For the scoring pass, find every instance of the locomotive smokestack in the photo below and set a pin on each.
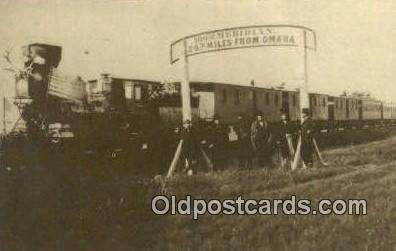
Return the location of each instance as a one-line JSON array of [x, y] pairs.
[[40, 60]]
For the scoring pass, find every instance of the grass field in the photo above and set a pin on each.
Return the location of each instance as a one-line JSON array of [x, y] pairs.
[[366, 172], [103, 209]]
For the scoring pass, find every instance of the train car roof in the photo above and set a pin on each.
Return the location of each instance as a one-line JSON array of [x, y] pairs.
[[128, 79], [371, 99], [239, 86]]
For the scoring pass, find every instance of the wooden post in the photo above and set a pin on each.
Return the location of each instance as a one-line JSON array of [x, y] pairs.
[[304, 96], [186, 107], [185, 87], [207, 159], [297, 155], [318, 154], [304, 99], [175, 160], [254, 98], [4, 117]]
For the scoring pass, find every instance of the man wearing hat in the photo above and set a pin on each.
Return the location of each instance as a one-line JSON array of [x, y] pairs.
[[261, 138], [190, 147], [284, 139], [244, 146], [218, 143], [307, 131]]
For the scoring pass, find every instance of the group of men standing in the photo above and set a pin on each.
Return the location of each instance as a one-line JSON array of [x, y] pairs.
[[219, 143]]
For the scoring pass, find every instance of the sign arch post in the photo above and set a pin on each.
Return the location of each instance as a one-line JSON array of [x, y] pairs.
[[238, 38]]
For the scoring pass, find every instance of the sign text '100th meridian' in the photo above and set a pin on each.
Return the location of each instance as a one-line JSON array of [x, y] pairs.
[[242, 37]]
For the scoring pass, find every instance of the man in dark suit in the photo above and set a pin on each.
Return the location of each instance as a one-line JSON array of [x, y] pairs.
[[261, 137], [244, 146], [218, 142], [190, 149], [284, 141], [307, 131]]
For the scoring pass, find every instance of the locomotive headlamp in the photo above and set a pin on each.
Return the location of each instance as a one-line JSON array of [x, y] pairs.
[[39, 60], [44, 54]]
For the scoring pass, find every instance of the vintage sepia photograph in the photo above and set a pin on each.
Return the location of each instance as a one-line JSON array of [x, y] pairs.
[[197, 125]]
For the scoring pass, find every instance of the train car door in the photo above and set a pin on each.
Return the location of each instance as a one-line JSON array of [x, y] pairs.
[[347, 108], [330, 107], [206, 105], [117, 95], [285, 103]]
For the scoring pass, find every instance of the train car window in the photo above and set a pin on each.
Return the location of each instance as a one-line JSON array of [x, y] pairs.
[[324, 102], [128, 88], [267, 98], [294, 99], [137, 93], [314, 101], [276, 99], [250, 95], [336, 103], [128, 92], [93, 87], [224, 96]]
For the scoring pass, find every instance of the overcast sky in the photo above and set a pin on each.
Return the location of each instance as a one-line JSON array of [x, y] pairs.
[[356, 40]]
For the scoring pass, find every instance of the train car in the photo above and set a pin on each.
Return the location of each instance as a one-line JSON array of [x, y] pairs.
[[227, 101], [135, 97], [223, 100], [343, 111], [126, 95], [371, 110], [231, 100]]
